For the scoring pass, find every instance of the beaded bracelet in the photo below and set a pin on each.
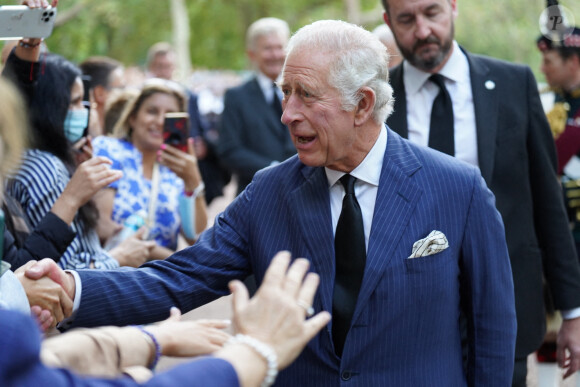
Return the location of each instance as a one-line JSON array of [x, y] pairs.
[[263, 350], [152, 340]]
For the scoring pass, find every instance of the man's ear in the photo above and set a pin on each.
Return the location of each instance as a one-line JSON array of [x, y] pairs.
[[365, 107], [386, 18]]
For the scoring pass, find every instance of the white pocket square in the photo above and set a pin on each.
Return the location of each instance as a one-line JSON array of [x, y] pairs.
[[431, 244]]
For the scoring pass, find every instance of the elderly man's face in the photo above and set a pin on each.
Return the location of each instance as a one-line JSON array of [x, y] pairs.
[[268, 55], [423, 30], [323, 133]]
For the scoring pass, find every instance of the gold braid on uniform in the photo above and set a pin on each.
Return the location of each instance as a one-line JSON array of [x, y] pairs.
[[557, 118]]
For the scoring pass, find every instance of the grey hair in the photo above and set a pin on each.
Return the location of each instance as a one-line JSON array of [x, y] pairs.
[[266, 26], [359, 59]]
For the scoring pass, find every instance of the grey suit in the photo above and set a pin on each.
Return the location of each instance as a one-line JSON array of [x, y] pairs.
[[251, 134], [518, 162]]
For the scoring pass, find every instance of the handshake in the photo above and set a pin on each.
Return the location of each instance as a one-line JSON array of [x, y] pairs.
[[49, 289]]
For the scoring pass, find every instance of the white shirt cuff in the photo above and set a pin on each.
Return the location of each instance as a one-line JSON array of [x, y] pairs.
[[570, 313], [67, 322]]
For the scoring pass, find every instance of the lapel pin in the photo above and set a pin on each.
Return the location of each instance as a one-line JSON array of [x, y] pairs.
[[489, 85]]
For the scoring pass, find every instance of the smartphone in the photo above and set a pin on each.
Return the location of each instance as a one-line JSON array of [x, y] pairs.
[[19, 21], [176, 130]]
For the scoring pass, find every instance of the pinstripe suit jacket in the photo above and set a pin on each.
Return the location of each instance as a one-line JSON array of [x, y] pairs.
[[405, 326]]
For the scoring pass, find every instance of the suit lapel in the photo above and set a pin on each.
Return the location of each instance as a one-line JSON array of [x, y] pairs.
[[397, 197], [398, 120], [312, 200], [486, 105]]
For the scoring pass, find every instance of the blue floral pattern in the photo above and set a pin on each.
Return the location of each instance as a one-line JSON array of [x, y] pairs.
[[133, 190]]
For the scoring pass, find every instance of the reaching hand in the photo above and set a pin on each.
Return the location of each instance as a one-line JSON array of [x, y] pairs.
[[189, 338], [89, 177], [133, 251], [276, 315], [181, 163]]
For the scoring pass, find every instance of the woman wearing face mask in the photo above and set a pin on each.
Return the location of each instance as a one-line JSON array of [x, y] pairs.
[[58, 119], [159, 181]]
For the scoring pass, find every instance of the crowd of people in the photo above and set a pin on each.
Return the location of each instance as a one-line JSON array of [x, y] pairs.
[[423, 183]]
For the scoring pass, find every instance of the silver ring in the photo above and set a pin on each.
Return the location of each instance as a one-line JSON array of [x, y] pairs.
[[307, 308]]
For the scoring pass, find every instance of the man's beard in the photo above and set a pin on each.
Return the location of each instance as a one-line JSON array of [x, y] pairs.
[[428, 63]]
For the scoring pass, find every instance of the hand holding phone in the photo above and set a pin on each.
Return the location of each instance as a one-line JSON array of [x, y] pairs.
[[20, 21], [176, 130]]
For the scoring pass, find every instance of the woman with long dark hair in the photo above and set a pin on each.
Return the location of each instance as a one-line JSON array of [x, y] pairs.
[[58, 118]]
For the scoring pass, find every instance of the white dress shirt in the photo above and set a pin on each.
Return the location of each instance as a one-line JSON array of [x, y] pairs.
[[420, 93], [266, 84], [368, 174]]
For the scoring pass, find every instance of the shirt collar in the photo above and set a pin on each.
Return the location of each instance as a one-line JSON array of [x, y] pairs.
[[455, 69], [265, 84], [369, 170]]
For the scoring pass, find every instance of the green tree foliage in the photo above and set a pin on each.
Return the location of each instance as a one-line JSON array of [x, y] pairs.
[[125, 29]]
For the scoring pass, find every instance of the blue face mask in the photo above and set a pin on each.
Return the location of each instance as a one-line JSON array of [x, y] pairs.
[[75, 123]]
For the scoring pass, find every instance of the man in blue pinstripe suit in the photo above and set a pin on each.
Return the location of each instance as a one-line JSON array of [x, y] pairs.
[[435, 246]]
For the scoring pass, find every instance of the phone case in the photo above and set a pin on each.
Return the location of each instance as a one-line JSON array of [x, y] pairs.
[[19, 21], [176, 130]]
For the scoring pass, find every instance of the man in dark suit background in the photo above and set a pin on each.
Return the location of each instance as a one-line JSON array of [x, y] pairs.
[[251, 135], [498, 125]]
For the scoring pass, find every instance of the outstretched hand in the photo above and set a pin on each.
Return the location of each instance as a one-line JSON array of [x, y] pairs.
[[276, 314], [189, 338]]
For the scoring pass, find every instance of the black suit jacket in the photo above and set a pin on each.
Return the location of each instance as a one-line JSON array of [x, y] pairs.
[[251, 135], [517, 159]]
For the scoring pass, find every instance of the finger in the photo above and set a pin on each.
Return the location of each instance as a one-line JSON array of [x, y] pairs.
[[99, 160], [35, 311], [275, 274], [66, 305], [561, 355], [112, 176], [240, 296], [191, 146], [174, 314], [308, 289], [295, 276], [315, 324], [39, 269], [218, 324], [573, 365], [141, 232]]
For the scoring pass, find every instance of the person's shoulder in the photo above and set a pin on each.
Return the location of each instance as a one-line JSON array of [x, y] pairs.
[[243, 87], [40, 162], [425, 161], [112, 147], [283, 175], [496, 64]]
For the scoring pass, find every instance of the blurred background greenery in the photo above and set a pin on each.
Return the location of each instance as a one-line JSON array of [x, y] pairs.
[[125, 29]]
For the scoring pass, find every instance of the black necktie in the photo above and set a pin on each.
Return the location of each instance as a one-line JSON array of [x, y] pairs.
[[350, 254], [441, 135], [276, 104]]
